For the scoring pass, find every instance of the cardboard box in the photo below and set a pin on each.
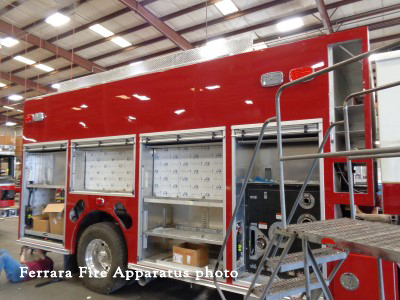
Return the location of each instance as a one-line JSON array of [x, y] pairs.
[[41, 223], [56, 217], [190, 254]]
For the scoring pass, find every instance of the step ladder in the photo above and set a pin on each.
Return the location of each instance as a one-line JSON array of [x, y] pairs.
[[378, 240]]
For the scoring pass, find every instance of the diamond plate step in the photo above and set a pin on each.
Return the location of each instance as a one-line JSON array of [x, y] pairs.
[[295, 261], [287, 287], [363, 237]]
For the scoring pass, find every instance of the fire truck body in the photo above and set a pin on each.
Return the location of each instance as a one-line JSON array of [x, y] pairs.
[[211, 110]]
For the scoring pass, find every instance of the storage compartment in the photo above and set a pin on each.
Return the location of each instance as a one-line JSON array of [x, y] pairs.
[[43, 192], [103, 166], [183, 194], [260, 212]]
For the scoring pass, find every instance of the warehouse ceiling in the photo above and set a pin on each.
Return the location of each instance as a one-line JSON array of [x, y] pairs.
[[44, 42]]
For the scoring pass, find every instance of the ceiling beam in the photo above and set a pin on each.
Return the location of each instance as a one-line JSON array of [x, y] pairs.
[[158, 24], [26, 82], [323, 12], [385, 38], [11, 6], [11, 30]]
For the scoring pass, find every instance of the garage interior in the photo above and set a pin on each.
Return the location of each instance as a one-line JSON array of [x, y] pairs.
[[54, 47]]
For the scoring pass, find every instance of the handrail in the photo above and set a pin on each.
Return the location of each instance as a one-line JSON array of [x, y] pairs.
[[278, 113], [347, 138], [239, 202]]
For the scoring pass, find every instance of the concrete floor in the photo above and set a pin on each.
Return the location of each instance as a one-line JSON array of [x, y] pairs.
[[166, 289]]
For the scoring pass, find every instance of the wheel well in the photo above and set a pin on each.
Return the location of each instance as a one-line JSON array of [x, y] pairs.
[[91, 218]]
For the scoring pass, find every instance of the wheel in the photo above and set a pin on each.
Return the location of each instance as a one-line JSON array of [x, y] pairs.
[[102, 248]]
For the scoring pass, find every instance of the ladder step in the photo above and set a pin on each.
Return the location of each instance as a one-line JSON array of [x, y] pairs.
[[295, 261], [287, 287]]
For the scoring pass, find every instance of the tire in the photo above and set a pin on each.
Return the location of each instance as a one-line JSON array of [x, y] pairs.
[[107, 239]]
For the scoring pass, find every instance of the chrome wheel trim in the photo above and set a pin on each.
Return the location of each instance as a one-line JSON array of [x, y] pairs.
[[98, 257]]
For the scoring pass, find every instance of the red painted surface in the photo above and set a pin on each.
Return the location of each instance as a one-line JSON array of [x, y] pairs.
[[185, 88], [365, 268], [391, 200]]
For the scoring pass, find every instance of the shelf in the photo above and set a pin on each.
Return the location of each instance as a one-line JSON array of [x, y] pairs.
[[188, 234], [164, 259], [181, 201], [44, 234], [45, 186], [352, 132]]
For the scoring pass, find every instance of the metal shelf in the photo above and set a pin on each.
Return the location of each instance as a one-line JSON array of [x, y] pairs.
[[181, 201], [189, 234], [45, 186], [45, 234]]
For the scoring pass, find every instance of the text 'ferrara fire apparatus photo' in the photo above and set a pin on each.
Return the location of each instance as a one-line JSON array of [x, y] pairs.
[[249, 172]]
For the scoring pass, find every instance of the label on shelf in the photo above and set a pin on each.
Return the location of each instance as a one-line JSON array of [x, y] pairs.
[[178, 258]]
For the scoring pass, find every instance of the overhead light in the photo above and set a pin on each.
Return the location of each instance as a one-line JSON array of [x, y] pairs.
[[20, 110], [15, 97], [226, 7], [179, 111], [8, 107], [24, 60], [135, 63], [318, 65], [141, 97], [57, 19], [84, 106], [131, 118], [55, 86], [9, 123], [44, 67], [289, 24], [101, 30], [214, 49], [123, 43], [2, 85], [9, 42], [213, 87], [125, 97], [248, 101]]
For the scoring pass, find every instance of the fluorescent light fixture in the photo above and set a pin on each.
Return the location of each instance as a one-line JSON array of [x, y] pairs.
[[44, 67], [55, 86], [123, 43], [248, 101], [289, 24], [131, 118], [101, 30], [179, 111], [24, 60], [20, 110], [9, 42], [57, 19], [135, 63], [84, 106], [141, 97], [226, 7], [2, 85], [9, 123], [318, 65], [214, 49], [213, 87], [8, 107], [15, 97]]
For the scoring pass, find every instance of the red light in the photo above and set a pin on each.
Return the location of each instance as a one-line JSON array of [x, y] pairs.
[[99, 201], [28, 119], [300, 72]]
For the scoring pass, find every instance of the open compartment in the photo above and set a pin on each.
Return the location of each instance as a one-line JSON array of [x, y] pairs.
[[103, 166], [43, 192], [182, 194], [260, 212]]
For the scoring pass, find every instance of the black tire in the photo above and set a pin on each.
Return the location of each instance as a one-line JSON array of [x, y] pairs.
[[113, 237]]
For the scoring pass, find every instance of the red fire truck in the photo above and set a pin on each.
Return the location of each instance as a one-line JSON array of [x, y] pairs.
[[123, 166], [8, 187]]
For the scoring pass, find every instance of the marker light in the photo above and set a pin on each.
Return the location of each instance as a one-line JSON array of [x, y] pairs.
[[300, 72]]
